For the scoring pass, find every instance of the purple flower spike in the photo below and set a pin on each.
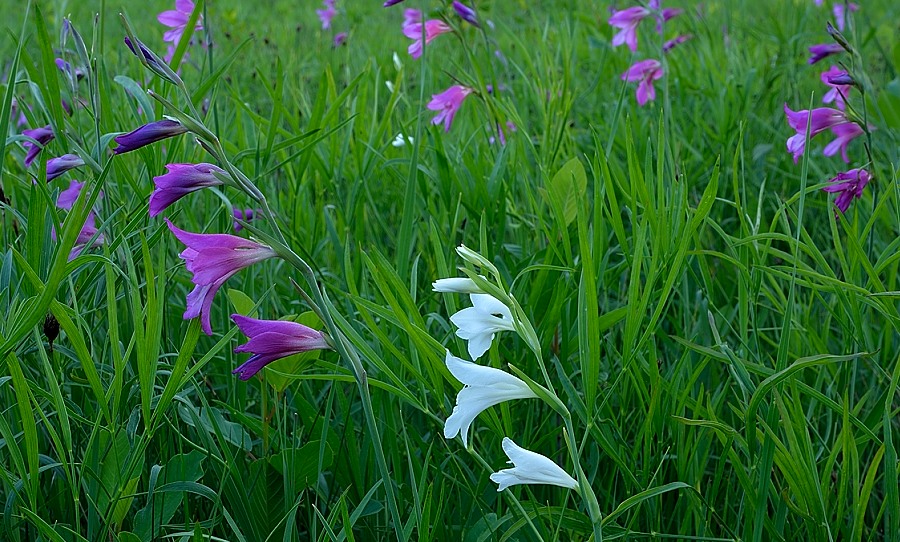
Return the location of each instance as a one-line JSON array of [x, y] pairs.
[[466, 13], [850, 185], [819, 120], [645, 72], [58, 166], [182, 179], [627, 21], [213, 258], [824, 50], [447, 103], [271, 340], [43, 136], [147, 134]]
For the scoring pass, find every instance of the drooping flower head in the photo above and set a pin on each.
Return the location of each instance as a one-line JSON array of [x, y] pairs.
[[626, 21], [645, 72], [819, 120], [838, 92], [824, 50], [426, 32], [271, 340], [177, 20], [466, 13], [530, 468], [848, 185], [843, 135], [181, 179], [478, 323], [447, 104], [61, 164], [42, 135], [327, 14], [213, 258], [147, 134], [484, 388]]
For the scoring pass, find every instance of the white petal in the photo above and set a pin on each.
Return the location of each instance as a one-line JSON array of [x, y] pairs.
[[459, 285], [531, 468], [488, 304], [479, 344]]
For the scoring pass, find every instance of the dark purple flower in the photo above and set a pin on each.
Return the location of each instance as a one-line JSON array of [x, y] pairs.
[[466, 13], [147, 134], [59, 165], [339, 39], [213, 258], [182, 179], [42, 135], [67, 197], [674, 42], [88, 236], [271, 340], [823, 50], [389, 3], [838, 91], [246, 215], [850, 184], [74, 74], [152, 61]]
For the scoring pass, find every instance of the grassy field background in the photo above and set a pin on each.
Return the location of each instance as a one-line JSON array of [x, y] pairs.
[[726, 344]]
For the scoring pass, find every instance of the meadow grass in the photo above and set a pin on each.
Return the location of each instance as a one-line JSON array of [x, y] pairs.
[[722, 345]]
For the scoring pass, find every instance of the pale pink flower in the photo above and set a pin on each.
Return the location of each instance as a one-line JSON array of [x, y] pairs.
[[427, 32]]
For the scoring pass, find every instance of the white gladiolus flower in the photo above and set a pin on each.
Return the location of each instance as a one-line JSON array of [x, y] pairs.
[[478, 323], [457, 285], [397, 64], [484, 388], [401, 140], [390, 86], [530, 468]]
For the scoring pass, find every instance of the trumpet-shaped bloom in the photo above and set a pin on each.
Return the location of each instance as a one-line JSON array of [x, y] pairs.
[[838, 92], [447, 104], [824, 50], [177, 20], [456, 285], [645, 72], [819, 120], [327, 14], [213, 258], [61, 164], [478, 323], [181, 179], [484, 388], [848, 185], [626, 21], [271, 340], [147, 134], [67, 197], [530, 468], [844, 134], [42, 135], [466, 13], [419, 32]]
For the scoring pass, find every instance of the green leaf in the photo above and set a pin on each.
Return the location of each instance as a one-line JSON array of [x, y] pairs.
[[567, 189]]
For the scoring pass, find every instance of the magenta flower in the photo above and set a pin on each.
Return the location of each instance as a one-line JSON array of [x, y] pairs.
[[88, 237], [850, 184], [177, 20], [447, 104], [327, 14], [675, 42], [147, 134], [213, 258], [842, 13], [271, 340], [466, 13], [664, 15], [246, 215], [339, 39], [67, 197], [627, 21], [432, 29], [411, 17], [42, 135], [844, 134], [819, 120], [823, 50], [645, 71], [182, 179], [838, 92], [61, 164]]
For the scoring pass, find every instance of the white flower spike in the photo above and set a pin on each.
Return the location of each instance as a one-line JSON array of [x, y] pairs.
[[457, 285], [478, 323], [484, 388], [530, 468]]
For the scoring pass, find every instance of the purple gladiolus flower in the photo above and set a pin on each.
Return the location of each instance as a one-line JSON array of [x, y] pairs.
[[178, 19], [411, 17], [246, 215], [819, 120], [447, 103], [466, 13], [43, 136], [271, 340], [213, 258], [339, 39], [61, 164], [390, 3], [67, 197], [327, 14], [849, 184], [427, 32], [674, 42], [147, 134], [664, 15], [844, 134], [75, 74], [182, 179], [824, 50], [88, 236], [842, 13], [839, 91], [627, 21], [645, 71]]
